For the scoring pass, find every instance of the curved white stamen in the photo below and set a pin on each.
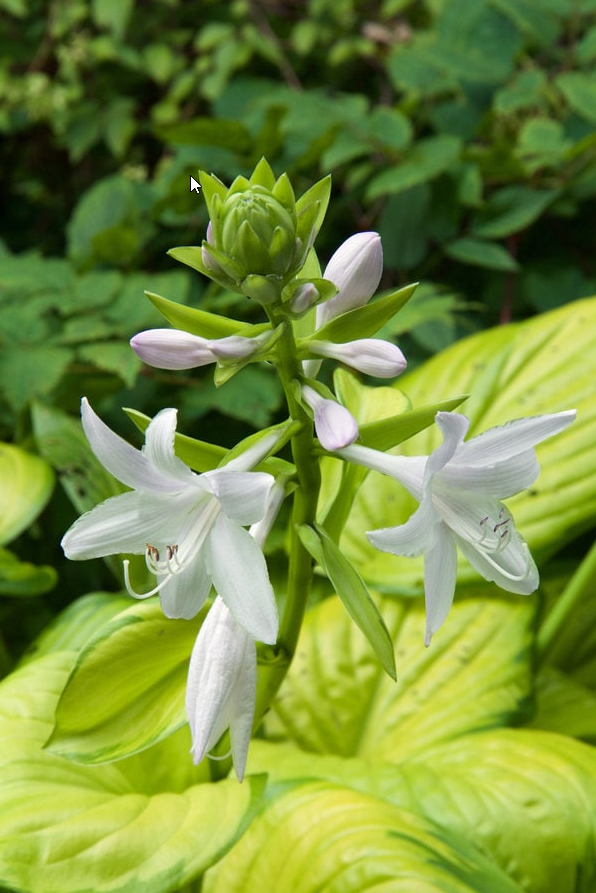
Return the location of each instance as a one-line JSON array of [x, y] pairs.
[[132, 592], [212, 756]]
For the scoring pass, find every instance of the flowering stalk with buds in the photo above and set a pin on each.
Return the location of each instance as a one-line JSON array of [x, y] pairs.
[[192, 527]]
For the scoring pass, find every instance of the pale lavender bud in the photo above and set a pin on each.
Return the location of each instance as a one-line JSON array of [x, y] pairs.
[[304, 297], [172, 349], [335, 426], [235, 347], [373, 356], [355, 269]]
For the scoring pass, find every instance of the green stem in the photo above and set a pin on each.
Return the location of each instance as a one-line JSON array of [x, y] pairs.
[[580, 586], [300, 566]]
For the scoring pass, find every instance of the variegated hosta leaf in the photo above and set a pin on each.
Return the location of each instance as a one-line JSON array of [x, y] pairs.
[[126, 690], [525, 798], [26, 483], [148, 824], [546, 364], [337, 699], [320, 836]]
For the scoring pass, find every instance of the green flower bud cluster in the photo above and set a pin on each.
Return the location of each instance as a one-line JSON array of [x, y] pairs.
[[259, 235]]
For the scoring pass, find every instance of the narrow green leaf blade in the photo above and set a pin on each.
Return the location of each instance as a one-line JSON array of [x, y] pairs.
[[365, 321]]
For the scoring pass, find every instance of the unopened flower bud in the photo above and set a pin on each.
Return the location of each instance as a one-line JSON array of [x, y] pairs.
[[174, 349], [335, 425], [355, 269], [373, 356]]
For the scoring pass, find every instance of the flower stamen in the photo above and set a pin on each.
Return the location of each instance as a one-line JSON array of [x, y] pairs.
[[157, 566]]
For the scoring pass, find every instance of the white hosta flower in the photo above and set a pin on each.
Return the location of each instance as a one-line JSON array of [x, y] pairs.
[[190, 527], [335, 425], [355, 269], [221, 687], [174, 349], [373, 356], [459, 487]]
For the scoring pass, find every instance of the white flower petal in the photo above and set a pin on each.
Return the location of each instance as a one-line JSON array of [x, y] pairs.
[[508, 440], [408, 470], [440, 569], [243, 495], [172, 349], [183, 596], [235, 347], [412, 538], [454, 427], [159, 449], [121, 459], [240, 576], [122, 524], [502, 479], [512, 568]]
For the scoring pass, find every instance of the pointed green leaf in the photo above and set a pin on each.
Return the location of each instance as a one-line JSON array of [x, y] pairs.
[[26, 483], [513, 371], [387, 433], [319, 193], [22, 578], [197, 322], [141, 658], [148, 824], [336, 700], [320, 836], [481, 253], [365, 321], [353, 593]]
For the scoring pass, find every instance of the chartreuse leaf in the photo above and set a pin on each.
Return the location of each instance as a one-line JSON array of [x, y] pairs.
[[353, 593], [26, 483], [525, 798], [141, 658], [148, 824], [71, 629], [197, 454], [22, 578], [564, 705], [302, 840], [336, 699], [365, 321], [511, 372]]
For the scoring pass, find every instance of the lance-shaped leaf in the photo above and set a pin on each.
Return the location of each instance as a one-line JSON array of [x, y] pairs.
[[364, 321], [22, 578], [353, 593], [198, 322]]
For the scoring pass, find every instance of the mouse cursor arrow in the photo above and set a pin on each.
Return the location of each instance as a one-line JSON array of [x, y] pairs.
[[194, 186]]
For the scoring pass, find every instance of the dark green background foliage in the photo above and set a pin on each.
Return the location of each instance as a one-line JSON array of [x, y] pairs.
[[463, 131]]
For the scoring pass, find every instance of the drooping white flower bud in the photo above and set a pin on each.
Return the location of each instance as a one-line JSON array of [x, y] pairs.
[[355, 269], [221, 687], [335, 425], [373, 356]]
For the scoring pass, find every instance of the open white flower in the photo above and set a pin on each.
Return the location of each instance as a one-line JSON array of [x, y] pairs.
[[190, 527], [459, 487], [221, 687]]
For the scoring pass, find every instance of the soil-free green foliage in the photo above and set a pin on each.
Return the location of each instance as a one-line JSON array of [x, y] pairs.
[[465, 133]]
